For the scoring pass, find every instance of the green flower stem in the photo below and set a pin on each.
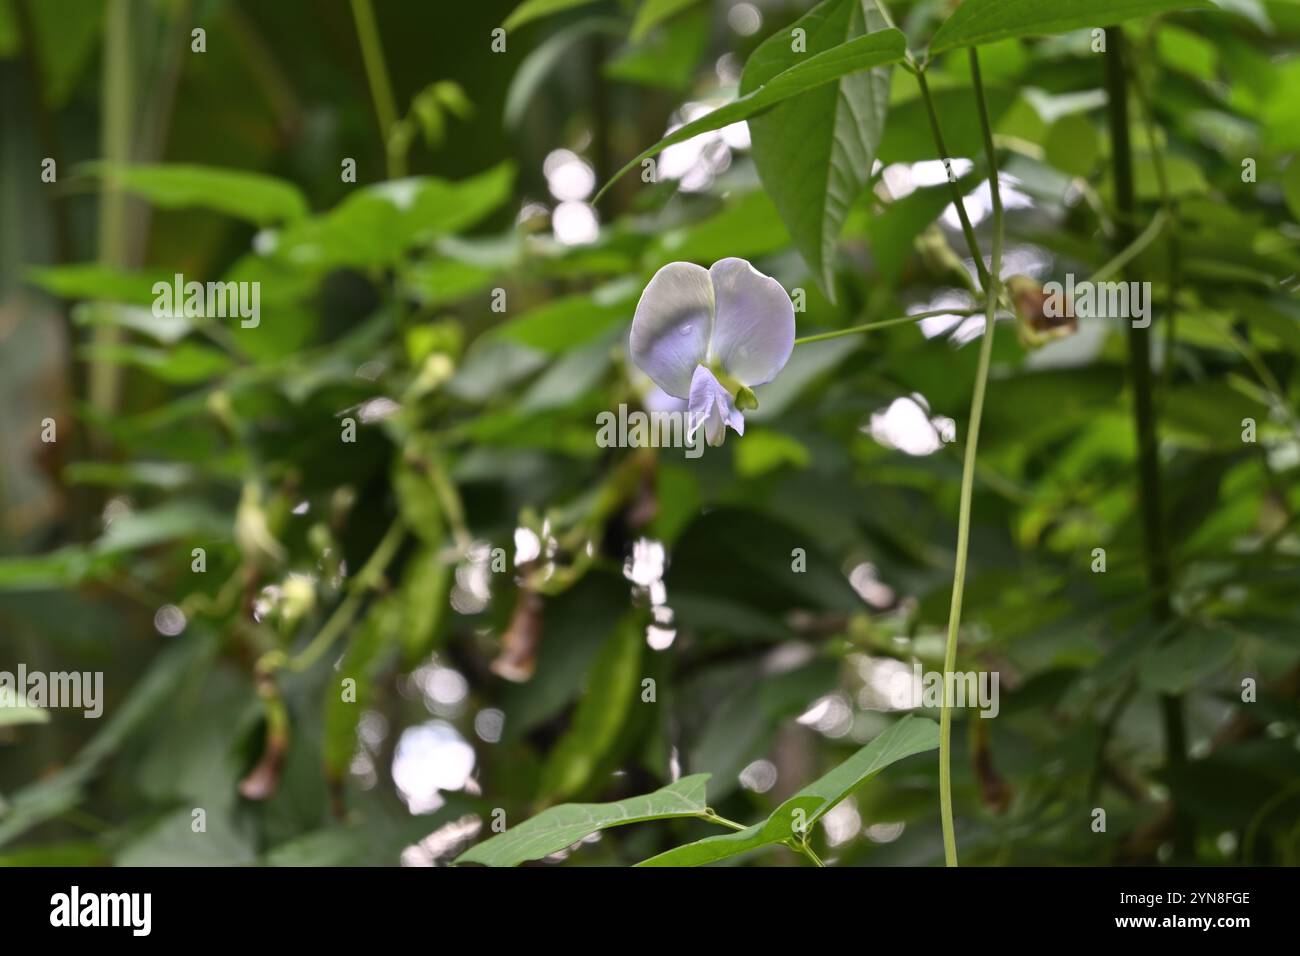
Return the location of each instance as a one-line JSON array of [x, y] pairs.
[[710, 817], [958, 200], [918, 70], [1133, 249], [366, 580], [798, 845], [381, 90], [885, 323], [809, 852], [449, 498], [909, 62], [991, 286], [104, 379]]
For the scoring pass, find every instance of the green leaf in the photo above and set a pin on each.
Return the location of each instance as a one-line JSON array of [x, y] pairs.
[[53, 795], [1184, 662], [1072, 145], [366, 654], [183, 364], [745, 713], [559, 827], [165, 328], [424, 597], [80, 853], [58, 569], [562, 324], [1291, 188], [172, 841], [748, 226], [602, 710], [168, 475], [668, 57], [537, 65], [1183, 50], [375, 225], [531, 10], [442, 207], [417, 500], [67, 34], [893, 232], [89, 280], [492, 364], [910, 138], [363, 231], [814, 152], [1184, 177], [911, 735], [653, 12], [375, 839], [189, 519], [576, 624], [984, 21], [252, 196], [767, 450], [444, 280], [573, 374], [864, 53], [775, 829]]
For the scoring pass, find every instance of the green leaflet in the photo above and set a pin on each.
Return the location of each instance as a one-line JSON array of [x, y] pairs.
[[1291, 189], [984, 21], [1178, 666], [531, 10], [554, 829], [814, 152], [777, 828], [571, 321], [367, 651], [611, 691], [911, 735], [539, 63], [376, 225], [425, 586], [876, 49], [90, 280], [667, 56], [50, 796], [653, 12], [253, 196]]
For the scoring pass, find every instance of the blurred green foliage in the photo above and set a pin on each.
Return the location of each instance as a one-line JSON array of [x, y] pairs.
[[372, 650]]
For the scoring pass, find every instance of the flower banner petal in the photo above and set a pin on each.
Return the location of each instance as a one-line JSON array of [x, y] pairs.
[[753, 329], [671, 327]]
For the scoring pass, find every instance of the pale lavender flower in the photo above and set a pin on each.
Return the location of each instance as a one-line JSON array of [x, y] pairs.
[[708, 336]]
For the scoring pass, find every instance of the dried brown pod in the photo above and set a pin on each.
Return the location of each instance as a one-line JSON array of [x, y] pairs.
[[1040, 317], [518, 657]]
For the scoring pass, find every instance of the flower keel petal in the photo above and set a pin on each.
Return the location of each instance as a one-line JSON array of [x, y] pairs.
[[712, 409]]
